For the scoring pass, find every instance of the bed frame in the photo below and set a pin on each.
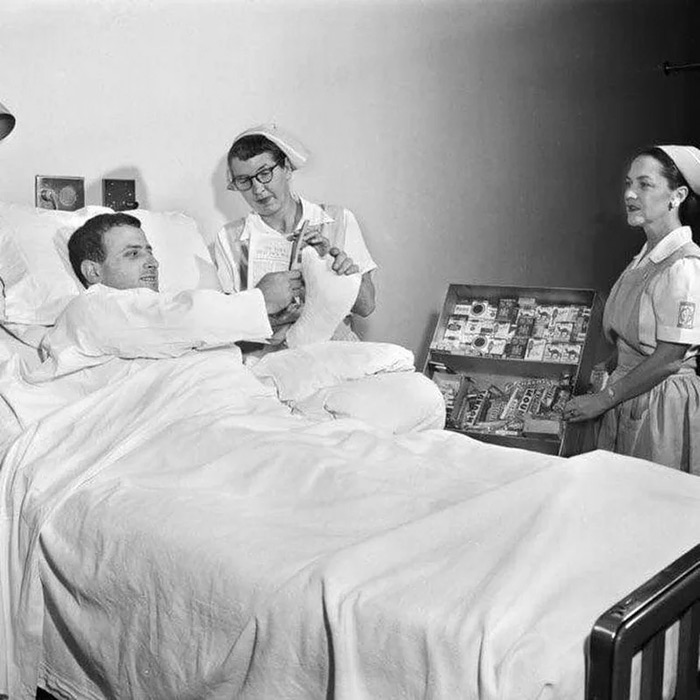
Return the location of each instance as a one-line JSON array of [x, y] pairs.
[[638, 623]]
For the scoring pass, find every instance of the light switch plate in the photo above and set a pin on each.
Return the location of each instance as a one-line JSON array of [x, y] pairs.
[[63, 193], [119, 194]]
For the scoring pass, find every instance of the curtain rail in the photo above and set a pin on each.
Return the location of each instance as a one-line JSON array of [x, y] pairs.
[[668, 68]]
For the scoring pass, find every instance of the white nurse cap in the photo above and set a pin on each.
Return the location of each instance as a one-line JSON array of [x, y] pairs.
[[687, 160], [290, 146]]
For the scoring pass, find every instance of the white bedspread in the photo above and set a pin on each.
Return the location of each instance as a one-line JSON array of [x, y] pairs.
[[171, 530], [179, 535]]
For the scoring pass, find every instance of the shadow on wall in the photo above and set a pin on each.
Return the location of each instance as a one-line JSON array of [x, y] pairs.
[[93, 193], [229, 203]]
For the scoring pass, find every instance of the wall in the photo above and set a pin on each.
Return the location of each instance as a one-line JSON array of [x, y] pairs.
[[476, 141]]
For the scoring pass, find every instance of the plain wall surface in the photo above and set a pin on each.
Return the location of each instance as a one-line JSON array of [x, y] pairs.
[[477, 142]]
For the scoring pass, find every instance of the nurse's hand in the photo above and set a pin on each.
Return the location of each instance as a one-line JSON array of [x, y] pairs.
[[279, 289], [586, 407], [312, 236], [343, 264]]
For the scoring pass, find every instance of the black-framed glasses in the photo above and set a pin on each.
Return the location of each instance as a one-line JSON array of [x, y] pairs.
[[242, 183]]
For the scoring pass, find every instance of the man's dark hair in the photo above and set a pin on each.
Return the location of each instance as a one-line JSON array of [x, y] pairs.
[[86, 243]]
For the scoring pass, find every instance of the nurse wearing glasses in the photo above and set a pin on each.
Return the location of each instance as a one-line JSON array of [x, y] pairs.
[[261, 162]]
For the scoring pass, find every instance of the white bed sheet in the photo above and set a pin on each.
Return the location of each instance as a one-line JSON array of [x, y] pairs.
[[179, 533]]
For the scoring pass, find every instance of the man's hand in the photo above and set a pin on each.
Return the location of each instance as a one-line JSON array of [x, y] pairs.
[[286, 316], [279, 289]]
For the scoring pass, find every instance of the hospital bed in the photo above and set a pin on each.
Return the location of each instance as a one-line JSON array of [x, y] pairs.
[[181, 535]]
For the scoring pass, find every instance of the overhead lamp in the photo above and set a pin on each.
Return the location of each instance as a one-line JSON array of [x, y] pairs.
[[7, 121]]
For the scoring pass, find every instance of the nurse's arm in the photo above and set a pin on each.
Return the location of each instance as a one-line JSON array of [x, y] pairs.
[[662, 363], [365, 302], [610, 363]]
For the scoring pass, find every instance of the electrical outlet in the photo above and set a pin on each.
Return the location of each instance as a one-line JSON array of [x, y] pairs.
[[119, 195], [64, 193]]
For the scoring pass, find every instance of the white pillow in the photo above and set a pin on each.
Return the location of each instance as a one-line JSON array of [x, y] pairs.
[[399, 402], [36, 276], [298, 373], [35, 282], [185, 262]]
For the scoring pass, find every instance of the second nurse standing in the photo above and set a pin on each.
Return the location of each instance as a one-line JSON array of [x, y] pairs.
[[651, 405]]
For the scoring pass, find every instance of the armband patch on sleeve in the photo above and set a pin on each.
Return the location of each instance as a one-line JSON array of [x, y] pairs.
[[686, 314]]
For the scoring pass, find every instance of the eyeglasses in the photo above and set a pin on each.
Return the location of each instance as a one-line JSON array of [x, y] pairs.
[[243, 183]]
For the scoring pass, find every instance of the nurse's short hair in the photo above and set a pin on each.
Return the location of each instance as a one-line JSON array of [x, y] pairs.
[[253, 145], [87, 241], [690, 207]]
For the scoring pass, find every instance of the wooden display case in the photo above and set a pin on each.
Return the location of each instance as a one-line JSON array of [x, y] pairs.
[[505, 377]]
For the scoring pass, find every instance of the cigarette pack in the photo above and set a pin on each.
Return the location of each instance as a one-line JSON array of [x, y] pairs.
[[503, 330], [527, 303], [545, 314], [454, 327], [478, 309], [554, 352], [572, 353], [507, 310], [580, 328], [516, 348], [563, 331], [480, 343], [524, 326], [535, 349], [496, 347], [542, 329], [568, 314]]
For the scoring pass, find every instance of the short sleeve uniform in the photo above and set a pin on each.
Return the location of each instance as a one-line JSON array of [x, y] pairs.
[[670, 311], [657, 299]]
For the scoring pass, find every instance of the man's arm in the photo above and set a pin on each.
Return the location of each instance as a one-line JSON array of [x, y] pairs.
[[139, 323]]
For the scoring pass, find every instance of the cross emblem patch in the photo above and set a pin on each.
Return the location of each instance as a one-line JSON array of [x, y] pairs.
[[686, 314]]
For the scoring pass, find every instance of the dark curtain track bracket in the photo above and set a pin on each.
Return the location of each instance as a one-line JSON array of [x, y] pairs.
[[667, 68]]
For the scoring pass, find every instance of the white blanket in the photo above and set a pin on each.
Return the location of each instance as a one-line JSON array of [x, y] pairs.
[[176, 532]]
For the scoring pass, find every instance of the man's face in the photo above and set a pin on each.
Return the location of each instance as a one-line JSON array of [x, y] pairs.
[[129, 261]]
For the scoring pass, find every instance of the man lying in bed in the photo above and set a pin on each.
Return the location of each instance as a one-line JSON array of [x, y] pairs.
[[121, 324], [112, 250]]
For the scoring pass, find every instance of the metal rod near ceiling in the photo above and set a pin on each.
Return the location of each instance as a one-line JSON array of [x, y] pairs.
[[668, 68]]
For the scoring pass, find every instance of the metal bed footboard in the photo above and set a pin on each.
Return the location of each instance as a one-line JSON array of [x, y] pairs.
[[639, 623]]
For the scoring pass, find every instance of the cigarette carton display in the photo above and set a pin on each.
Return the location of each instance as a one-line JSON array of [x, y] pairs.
[[508, 359]]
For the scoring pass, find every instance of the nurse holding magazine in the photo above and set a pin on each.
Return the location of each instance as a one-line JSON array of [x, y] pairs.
[[285, 231]]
